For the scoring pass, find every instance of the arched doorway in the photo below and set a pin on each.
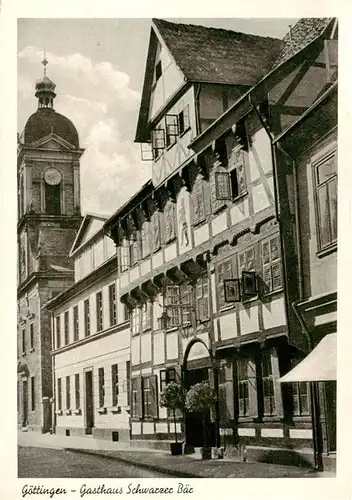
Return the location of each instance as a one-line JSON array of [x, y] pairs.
[[196, 368]]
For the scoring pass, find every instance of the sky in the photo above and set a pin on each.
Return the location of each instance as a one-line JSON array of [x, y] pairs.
[[98, 66]]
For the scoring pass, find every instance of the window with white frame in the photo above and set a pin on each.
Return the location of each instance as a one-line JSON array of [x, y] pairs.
[[158, 142], [171, 126], [271, 262], [326, 201]]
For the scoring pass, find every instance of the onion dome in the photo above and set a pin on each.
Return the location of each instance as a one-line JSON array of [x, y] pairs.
[[46, 120]]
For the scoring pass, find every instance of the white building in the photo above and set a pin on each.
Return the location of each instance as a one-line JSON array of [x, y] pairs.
[[91, 342]]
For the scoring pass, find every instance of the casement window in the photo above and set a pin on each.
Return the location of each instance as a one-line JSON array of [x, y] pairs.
[[146, 312], [186, 302], [271, 262], [269, 406], [183, 120], [68, 393], [124, 256], [216, 188], [179, 305], [158, 142], [226, 394], [155, 231], [128, 382], [134, 248], [136, 321], [115, 384], [136, 398], [300, 396], [326, 201], [169, 221], [167, 376], [158, 71], [145, 237], [172, 304], [112, 304], [67, 327], [77, 391], [246, 269], [230, 185], [202, 298], [243, 388], [150, 397], [32, 394], [101, 387], [171, 125], [75, 324], [99, 312], [59, 394], [58, 332], [86, 318], [224, 270], [197, 201], [31, 336], [23, 341]]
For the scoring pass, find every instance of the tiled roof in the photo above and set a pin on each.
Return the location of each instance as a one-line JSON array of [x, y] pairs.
[[300, 35], [219, 56]]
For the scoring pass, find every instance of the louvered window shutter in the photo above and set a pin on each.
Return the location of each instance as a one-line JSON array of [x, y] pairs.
[[154, 395]]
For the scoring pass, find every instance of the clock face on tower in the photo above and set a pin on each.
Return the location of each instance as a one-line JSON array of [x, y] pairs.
[[52, 176]]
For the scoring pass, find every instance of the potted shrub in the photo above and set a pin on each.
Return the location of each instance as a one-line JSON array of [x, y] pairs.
[[173, 399], [200, 399]]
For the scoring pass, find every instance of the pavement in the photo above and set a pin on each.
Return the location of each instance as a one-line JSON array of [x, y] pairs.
[[188, 466]]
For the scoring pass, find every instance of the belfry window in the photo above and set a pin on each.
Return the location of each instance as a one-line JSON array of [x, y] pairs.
[[53, 199]]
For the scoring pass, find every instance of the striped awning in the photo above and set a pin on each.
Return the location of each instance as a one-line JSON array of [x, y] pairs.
[[318, 366]]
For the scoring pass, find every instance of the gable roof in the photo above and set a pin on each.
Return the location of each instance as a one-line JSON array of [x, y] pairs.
[[91, 225], [300, 35], [216, 55]]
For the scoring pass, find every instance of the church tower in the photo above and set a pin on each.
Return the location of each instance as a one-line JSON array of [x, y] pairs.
[[49, 215]]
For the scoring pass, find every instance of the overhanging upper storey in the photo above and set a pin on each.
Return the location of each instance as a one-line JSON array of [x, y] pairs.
[[186, 89]]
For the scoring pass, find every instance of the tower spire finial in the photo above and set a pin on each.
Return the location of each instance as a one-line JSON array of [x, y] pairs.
[[45, 62]]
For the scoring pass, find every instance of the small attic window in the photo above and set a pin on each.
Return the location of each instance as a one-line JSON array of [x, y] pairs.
[[158, 71]]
